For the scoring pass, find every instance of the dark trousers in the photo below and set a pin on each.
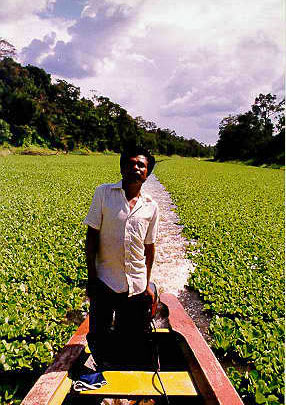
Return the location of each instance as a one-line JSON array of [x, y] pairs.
[[118, 325]]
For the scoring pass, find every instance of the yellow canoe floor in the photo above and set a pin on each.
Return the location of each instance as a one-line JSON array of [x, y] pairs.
[[145, 383]]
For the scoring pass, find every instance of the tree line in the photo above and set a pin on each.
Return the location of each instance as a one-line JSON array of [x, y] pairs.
[[36, 111], [257, 135]]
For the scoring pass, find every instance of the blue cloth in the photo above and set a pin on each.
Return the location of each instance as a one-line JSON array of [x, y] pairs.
[[91, 381]]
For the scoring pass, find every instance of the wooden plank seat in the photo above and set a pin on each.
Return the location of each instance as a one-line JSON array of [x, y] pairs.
[[145, 384]]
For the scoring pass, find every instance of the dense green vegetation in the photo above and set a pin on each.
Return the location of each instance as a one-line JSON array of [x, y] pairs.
[[235, 213], [43, 202], [257, 136], [35, 111]]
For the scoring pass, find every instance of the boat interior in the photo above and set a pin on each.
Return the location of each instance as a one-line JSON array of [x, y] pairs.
[[159, 368]]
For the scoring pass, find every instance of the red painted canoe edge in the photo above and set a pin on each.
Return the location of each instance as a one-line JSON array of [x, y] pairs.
[[45, 387], [218, 381]]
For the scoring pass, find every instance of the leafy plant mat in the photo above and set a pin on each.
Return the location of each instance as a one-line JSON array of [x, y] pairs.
[[236, 215], [44, 200]]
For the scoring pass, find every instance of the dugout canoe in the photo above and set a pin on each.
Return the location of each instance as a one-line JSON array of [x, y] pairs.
[[190, 372]]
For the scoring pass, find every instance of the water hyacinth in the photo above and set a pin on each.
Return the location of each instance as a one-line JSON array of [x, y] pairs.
[[236, 215]]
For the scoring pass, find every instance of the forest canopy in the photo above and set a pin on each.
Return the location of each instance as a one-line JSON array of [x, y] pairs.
[[257, 135], [36, 111]]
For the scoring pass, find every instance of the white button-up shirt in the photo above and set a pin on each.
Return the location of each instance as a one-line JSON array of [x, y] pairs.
[[120, 262]]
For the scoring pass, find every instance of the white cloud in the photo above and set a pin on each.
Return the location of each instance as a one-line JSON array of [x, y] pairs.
[[17, 9], [21, 23], [92, 40], [92, 7]]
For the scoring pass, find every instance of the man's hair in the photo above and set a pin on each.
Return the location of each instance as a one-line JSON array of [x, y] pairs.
[[133, 151]]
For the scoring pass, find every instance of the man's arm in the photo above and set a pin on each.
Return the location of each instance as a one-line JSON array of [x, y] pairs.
[[149, 259], [91, 249]]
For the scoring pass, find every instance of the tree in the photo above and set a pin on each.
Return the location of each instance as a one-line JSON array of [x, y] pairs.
[[149, 141], [141, 123], [5, 133], [240, 137], [226, 145], [251, 135], [267, 109], [34, 110], [6, 49]]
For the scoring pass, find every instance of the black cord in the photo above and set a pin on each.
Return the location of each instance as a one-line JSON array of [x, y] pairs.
[[156, 364]]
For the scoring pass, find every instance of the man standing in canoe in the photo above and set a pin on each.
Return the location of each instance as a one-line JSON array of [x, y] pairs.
[[120, 246]]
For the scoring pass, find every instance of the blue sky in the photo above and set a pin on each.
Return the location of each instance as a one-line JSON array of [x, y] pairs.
[[66, 9], [182, 64]]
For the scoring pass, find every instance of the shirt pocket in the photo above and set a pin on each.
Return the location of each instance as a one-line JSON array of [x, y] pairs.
[[140, 227]]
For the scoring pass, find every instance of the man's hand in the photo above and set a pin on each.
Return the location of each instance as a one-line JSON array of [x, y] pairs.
[[149, 259], [149, 293]]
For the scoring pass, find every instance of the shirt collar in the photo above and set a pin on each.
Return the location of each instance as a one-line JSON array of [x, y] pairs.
[[117, 185], [142, 194]]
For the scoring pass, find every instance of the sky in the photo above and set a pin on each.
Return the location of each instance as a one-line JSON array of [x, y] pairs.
[[183, 64]]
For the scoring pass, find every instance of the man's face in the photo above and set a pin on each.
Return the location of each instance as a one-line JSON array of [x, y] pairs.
[[135, 170]]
